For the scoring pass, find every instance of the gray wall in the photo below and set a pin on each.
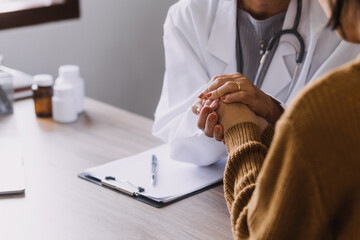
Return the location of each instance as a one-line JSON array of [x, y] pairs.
[[116, 43]]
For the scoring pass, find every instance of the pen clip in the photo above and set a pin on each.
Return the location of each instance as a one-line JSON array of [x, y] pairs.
[[153, 169], [154, 161]]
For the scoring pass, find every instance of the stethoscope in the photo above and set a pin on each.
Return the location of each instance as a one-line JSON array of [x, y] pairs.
[[272, 43]]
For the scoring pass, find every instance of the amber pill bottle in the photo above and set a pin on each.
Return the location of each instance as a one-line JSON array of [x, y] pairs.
[[42, 93]]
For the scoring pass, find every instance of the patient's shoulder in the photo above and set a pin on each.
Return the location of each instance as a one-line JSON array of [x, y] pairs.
[[328, 102]]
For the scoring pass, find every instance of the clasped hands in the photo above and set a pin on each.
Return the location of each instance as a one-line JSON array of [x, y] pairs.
[[231, 99]]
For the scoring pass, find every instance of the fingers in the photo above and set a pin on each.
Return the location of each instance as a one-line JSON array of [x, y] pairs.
[[256, 100], [223, 86], [218, 132], [199, 104], [231, 75], [207, 122], [227, 88], [205, 111], [240, 96], [207, 102], [196, 107], [214, 105], [212, 128], [220, 80], [228, 82], [211, 121]]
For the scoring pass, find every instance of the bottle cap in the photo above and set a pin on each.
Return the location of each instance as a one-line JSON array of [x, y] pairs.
[[69, 71], [43, 80]]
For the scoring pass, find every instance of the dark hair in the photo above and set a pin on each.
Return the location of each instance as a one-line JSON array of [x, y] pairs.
[[337, 8]]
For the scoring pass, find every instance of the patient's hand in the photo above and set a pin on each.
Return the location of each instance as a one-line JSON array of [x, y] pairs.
[[207, 118], [236, 113], [232, 88], [215, 117]]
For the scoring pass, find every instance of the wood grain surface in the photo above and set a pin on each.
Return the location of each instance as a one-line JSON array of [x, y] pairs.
[[59, 205]]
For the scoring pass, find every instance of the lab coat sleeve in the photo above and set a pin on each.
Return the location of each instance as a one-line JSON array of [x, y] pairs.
[[185, 77]]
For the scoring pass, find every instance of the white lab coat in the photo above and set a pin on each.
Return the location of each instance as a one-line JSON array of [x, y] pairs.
[[199, 41]]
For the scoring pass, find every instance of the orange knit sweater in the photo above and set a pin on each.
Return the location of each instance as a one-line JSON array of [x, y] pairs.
[[307, 184]]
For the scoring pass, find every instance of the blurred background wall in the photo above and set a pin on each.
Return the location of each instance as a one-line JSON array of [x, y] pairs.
[[116, 43]]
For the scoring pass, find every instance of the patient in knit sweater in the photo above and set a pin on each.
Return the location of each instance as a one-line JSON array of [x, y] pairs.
[[303, 182]]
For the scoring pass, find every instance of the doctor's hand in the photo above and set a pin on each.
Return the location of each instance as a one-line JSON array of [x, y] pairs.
[[207, 118], [231, 88]]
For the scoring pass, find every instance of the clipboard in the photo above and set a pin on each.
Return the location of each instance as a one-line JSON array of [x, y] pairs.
[[145, 199], [168, 189]]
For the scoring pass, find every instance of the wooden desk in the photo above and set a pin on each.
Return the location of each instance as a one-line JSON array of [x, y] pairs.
[[59, 205]]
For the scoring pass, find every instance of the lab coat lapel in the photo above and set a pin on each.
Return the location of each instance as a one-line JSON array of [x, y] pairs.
[[221, 42], [318, 19], [279, 75], [317, 22]]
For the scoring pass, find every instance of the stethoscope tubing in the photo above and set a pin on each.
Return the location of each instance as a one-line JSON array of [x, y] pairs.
[[273, 41], [300, 57]]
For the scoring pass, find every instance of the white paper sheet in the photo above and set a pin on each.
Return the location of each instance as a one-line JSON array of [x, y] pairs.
[[173, 179]]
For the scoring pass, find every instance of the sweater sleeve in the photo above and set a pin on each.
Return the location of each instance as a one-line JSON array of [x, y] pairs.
[[282, 201], [246, 155], [245, 140], [267, 136]]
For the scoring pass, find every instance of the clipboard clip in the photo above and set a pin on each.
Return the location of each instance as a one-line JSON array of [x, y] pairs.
[[111, 178]]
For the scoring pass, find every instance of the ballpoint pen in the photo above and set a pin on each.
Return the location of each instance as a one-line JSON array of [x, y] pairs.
[[153, 169]]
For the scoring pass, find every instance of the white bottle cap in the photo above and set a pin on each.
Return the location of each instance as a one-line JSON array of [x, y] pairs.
[[43, 80], [69, 71]]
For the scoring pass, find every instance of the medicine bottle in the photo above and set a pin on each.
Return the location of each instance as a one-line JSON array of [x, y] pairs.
[[70, 74], [42, 93], [64, 109]]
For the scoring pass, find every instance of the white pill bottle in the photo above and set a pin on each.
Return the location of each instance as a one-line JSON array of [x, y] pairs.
[[63, 107], [70, 74]]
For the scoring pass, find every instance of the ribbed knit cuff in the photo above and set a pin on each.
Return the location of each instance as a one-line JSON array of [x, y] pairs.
[[267, 135], [241, 134]]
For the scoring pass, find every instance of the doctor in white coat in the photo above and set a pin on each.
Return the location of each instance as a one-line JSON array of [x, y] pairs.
[[200, 42]]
